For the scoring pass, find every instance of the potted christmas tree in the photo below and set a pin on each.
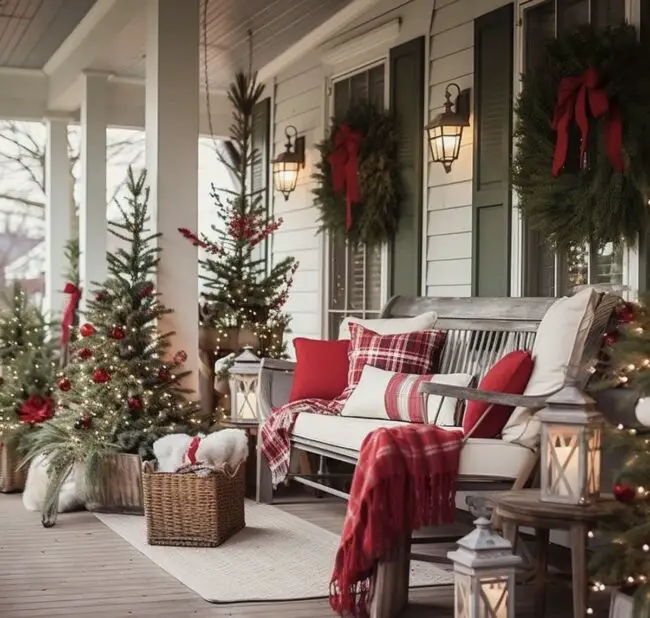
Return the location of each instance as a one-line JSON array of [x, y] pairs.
[[121, 389], [28, 374], [622, 556], [244, 294]]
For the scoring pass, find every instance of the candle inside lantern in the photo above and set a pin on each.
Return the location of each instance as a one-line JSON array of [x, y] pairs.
[[568, 467], [496, 595], [246, 405]]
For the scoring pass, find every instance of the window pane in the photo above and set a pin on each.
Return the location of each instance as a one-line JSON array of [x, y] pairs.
[[376, 86], [571, 14], [539, 27], [356, 278], [577, 267], [608, 265], [373, 279], [337, 277], [607, 12], [342, 98]]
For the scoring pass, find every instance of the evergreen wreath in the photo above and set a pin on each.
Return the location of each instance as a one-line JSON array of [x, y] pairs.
[[588, 200], [375, 212]]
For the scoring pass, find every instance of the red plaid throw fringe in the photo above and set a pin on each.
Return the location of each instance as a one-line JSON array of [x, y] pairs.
[[275, 432], [413, 467]]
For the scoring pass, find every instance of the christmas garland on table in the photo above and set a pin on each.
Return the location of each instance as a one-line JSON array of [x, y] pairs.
[[582, 166], [359, 186]]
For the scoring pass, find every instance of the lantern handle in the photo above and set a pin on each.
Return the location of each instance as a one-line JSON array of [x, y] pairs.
[[448, 104], [291, 133]]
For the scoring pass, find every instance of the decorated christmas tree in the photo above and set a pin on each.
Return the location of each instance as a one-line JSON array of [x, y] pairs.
[[242, 289], [122, 389], [70, 320], [623, 550]]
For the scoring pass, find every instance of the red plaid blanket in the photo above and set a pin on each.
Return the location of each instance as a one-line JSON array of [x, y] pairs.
[[415, 469], [275, 432]]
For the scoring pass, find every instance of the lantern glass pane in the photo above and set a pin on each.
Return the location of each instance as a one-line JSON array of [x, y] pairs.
[[493, 601], [285, 176], [462, 595], [445, 143], [243, 397], [593, 461]]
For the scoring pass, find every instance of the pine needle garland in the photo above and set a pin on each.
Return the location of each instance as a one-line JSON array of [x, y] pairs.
[[588, 201]]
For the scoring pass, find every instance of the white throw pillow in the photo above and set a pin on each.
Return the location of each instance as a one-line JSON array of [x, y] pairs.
[[394, 396], [559, 345], [391, 326]]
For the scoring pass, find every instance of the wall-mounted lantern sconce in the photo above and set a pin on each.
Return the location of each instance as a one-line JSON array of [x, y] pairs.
[[446, 129], [287, 164]]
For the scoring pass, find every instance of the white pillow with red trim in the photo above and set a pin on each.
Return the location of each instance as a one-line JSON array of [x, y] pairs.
[[391, 396]]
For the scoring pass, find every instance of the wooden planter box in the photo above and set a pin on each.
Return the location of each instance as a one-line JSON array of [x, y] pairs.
[[621, 605], [119, 486], [12, 478]]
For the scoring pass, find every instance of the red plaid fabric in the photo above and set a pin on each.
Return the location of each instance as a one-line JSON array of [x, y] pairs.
[[413, 469], [403, 400], [417, 352], [275, 432]]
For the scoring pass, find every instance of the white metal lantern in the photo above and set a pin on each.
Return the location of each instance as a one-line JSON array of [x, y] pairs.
[[243, 386], [571, 447], [484, 574]]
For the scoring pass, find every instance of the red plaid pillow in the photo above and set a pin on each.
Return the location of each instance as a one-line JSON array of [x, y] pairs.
[[417, 352]]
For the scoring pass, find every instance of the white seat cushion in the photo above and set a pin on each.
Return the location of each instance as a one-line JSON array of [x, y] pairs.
[[480, 457], [391, 326]]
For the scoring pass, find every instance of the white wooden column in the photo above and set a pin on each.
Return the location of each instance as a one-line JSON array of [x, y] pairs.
[[172, 131], [58, 204], [92, 214]]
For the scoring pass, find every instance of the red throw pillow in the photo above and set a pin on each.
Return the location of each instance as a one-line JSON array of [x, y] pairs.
[[416, 353], [509, 375], [321, 369]]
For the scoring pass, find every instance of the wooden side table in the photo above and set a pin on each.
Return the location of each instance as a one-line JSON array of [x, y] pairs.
[[524, 508]]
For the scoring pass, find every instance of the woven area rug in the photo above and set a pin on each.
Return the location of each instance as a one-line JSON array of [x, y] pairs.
[[277, 557]]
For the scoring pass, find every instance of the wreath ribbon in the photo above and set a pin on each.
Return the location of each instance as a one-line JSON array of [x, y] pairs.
[[574, 94], [344, 163], [68, 315]]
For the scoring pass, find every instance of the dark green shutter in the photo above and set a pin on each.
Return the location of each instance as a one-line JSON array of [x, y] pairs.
[[645, 23], [260, 169], [407, 103], [492, 152]]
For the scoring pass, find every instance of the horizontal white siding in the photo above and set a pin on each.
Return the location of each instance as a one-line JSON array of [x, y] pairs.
[[298, 100], [449, 196]]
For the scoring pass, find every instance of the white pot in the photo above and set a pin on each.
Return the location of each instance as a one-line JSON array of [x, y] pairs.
[[621, 605], [642, 411]]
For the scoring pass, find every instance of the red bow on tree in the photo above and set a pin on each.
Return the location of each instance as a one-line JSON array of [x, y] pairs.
[[574, 93], [36, 409], [70, 309], [345, 167]]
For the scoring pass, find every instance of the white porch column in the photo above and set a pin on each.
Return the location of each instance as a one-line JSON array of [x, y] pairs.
[[172, 131], [92, 215], [58, 204]]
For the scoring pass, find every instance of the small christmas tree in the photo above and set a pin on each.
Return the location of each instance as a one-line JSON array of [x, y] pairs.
[[22, 325], [623, 552], [119, 392], [244, 292]]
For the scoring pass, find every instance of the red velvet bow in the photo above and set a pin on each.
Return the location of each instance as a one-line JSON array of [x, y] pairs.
[[36, 409], [574, 93], [345, 167], [70, 309], [191, 450]]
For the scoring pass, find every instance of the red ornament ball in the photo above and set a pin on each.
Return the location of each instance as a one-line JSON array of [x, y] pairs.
[[135, 403], [146, 290], [625, 314], [101, 296], [609, 339], [86, 330], [624, 493], [101, 376], [85, 353], [164, 374], [118, 333], [84, 422], [180, 357], [64, 384]]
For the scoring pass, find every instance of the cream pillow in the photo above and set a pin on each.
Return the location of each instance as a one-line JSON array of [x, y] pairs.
[[559, 345], [393, 396], [391, 326]]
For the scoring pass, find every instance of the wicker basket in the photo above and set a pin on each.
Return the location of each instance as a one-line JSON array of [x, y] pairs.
[[190, 510], [12, 476], [119, 488]]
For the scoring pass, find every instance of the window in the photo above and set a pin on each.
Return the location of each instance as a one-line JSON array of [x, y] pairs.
[[548, 273], [356, 274]]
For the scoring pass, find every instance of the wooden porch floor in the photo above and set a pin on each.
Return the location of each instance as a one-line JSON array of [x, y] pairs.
[[80, 568]]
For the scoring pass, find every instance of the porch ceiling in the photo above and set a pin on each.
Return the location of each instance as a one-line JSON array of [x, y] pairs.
[[32, 30], [276, 26]]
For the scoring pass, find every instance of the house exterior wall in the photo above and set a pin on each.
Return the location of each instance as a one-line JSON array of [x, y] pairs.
[[299, 97]]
